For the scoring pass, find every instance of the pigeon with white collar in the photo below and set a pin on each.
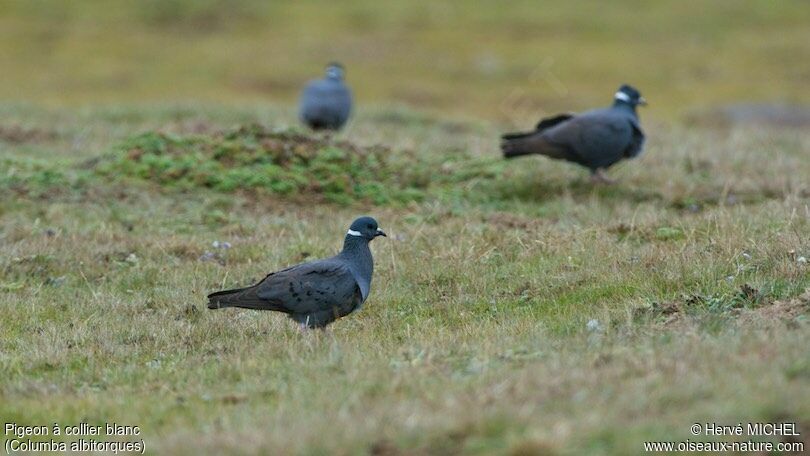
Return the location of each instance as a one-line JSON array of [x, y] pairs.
[[317, 293], [326, 103], [595, 139]]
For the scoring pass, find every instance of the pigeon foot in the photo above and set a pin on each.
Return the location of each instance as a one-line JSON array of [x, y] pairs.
[[599, 177]]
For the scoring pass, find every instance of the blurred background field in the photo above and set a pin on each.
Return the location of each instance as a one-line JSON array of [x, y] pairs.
[[486, 59], [516, 308]]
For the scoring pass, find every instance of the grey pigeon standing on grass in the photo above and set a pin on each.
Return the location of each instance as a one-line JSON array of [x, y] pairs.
[[326, 103], [317, 293], [595, 139]]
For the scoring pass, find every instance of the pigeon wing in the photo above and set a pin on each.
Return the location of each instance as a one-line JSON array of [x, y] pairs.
[[596, 141], [310, 103], [549, 122], [310, 287], [543, 125]]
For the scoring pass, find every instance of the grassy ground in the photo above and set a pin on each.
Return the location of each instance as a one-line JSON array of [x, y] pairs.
[[515, 309], [476, 336]]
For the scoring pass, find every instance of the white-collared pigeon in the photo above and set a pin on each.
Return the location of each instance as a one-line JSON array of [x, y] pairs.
[[595, 139], [326, 103], [316, 293]]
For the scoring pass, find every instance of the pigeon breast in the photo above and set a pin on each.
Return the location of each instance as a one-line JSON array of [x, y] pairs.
[[325, 104]]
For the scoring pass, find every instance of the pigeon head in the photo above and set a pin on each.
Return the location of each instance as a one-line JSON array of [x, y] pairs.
[[629, 95], [335, 71], [366, 228]]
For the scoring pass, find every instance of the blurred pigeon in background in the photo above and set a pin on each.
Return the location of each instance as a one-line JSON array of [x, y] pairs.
[[317, 293], [326, 103], [595, 139]]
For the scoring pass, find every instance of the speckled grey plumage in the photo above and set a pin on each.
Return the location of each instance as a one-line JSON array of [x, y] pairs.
[[595, 139], [326, 103], [316, 293]]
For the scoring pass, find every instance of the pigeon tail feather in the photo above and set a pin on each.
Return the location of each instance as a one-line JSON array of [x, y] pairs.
[[238, 297], [514, 144], [519, 144]]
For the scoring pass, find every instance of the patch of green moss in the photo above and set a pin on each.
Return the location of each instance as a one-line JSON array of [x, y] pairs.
[[34, 178], [282, 163]]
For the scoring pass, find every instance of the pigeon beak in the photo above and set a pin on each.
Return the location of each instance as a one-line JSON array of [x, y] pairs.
[[642, 101], [380, 233]]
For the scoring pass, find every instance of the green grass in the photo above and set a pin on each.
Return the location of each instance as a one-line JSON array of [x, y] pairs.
[[474, 339], [280, 163]]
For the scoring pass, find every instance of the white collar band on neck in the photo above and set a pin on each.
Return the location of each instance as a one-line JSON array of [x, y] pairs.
[[354, 233], [334, 73], [622, 96]]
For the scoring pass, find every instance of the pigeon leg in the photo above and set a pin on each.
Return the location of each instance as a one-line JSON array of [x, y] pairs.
[[304, 326], [599, 177]]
